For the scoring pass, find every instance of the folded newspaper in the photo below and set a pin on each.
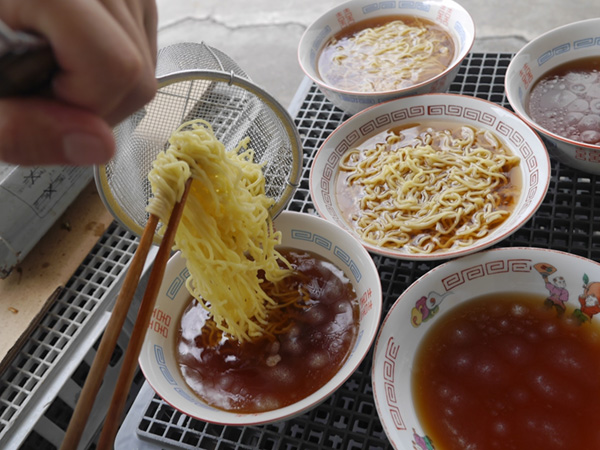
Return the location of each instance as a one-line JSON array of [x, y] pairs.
[[31, 201]]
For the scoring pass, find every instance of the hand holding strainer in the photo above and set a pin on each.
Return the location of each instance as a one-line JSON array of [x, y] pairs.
[[199, 82], [195, 82]]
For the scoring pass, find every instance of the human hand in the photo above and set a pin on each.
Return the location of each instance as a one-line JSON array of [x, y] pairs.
[[106, 54]]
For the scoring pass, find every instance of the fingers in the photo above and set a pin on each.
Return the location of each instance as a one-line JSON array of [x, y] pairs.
[[139, 20], [145, 15], [106, 50], [44, 132], [106, 53]]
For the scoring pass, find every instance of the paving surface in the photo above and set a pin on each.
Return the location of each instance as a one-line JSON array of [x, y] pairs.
[[262, 35]]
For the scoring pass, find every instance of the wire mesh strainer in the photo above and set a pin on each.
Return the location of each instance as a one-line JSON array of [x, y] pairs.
[[199, 82]]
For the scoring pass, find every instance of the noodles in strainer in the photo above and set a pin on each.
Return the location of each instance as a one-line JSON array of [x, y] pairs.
[[226, 234]]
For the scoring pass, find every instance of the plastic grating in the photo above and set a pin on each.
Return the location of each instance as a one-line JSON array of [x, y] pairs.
[[568, 220], [47, 363]]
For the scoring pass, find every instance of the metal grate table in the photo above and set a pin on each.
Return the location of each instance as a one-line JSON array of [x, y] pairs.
[[568, 220]]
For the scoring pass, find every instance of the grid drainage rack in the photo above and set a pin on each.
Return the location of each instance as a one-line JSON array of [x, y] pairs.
[[39, 390], [567, 220]]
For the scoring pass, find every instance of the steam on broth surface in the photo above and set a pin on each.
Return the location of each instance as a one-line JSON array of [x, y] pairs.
[[502, 371], [566, 100], [428, 187], [383, 54], [308, 338]]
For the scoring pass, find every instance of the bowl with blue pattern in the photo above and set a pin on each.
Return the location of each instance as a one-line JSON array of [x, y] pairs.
[[553, 84], [300, 231]]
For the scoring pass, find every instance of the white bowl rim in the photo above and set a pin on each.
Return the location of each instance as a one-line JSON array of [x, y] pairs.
[[521, 112], [268, 417], [431, 272], [262, 418], [457, 252], [458, 59]]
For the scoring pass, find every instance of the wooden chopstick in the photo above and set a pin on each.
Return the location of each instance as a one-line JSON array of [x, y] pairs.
[[115, 324], [129, 364], [109, 339]]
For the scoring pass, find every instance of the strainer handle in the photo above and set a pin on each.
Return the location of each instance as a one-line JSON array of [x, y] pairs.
[[27, 63]]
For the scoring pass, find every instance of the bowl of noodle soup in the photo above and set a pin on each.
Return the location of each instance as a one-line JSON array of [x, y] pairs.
[[430, 177], [361, 53], [304, 233]]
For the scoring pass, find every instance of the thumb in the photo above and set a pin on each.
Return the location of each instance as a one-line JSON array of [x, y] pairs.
[[45, 132]]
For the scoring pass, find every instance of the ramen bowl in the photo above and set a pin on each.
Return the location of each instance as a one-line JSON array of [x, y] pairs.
[[563, 130], [528, 271], [301, 231], [533, 169], [447, 14]]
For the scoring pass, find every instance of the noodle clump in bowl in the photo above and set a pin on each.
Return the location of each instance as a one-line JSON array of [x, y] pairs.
[[257, 319], [360, 55], [430, 177]]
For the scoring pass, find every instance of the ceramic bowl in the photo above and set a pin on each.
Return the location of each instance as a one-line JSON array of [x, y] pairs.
[[554, 48], [520, 139], [504, 270], [302, 231], [447, 13]]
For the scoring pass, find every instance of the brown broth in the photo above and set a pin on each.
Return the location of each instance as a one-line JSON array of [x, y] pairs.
[[502, 371], [358, 72], [566, 100], [274, 371]]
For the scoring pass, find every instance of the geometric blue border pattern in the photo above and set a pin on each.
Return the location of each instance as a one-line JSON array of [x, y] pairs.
[[160, 359], [303, 235], [579, 44], [390, 4], [177, 283]]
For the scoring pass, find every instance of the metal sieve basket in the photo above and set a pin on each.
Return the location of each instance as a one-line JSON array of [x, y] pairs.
[[199, 82]]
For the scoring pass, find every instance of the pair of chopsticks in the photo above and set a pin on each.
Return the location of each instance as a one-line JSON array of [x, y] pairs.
[[113, 329]]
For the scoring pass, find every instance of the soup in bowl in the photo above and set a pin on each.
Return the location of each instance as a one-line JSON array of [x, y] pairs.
[[553, 84], [214, 380], [493, 350], [362, 53]]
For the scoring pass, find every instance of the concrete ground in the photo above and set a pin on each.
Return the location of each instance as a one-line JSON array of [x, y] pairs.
[[262, 36]]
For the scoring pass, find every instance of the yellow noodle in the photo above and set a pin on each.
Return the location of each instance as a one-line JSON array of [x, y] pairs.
[[386, 57], [439, 192], [226, 234]]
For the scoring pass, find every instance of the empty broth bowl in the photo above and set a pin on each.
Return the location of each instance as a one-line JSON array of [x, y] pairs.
[[165, 356], [482, 351], [553, 84], [361, 53]]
